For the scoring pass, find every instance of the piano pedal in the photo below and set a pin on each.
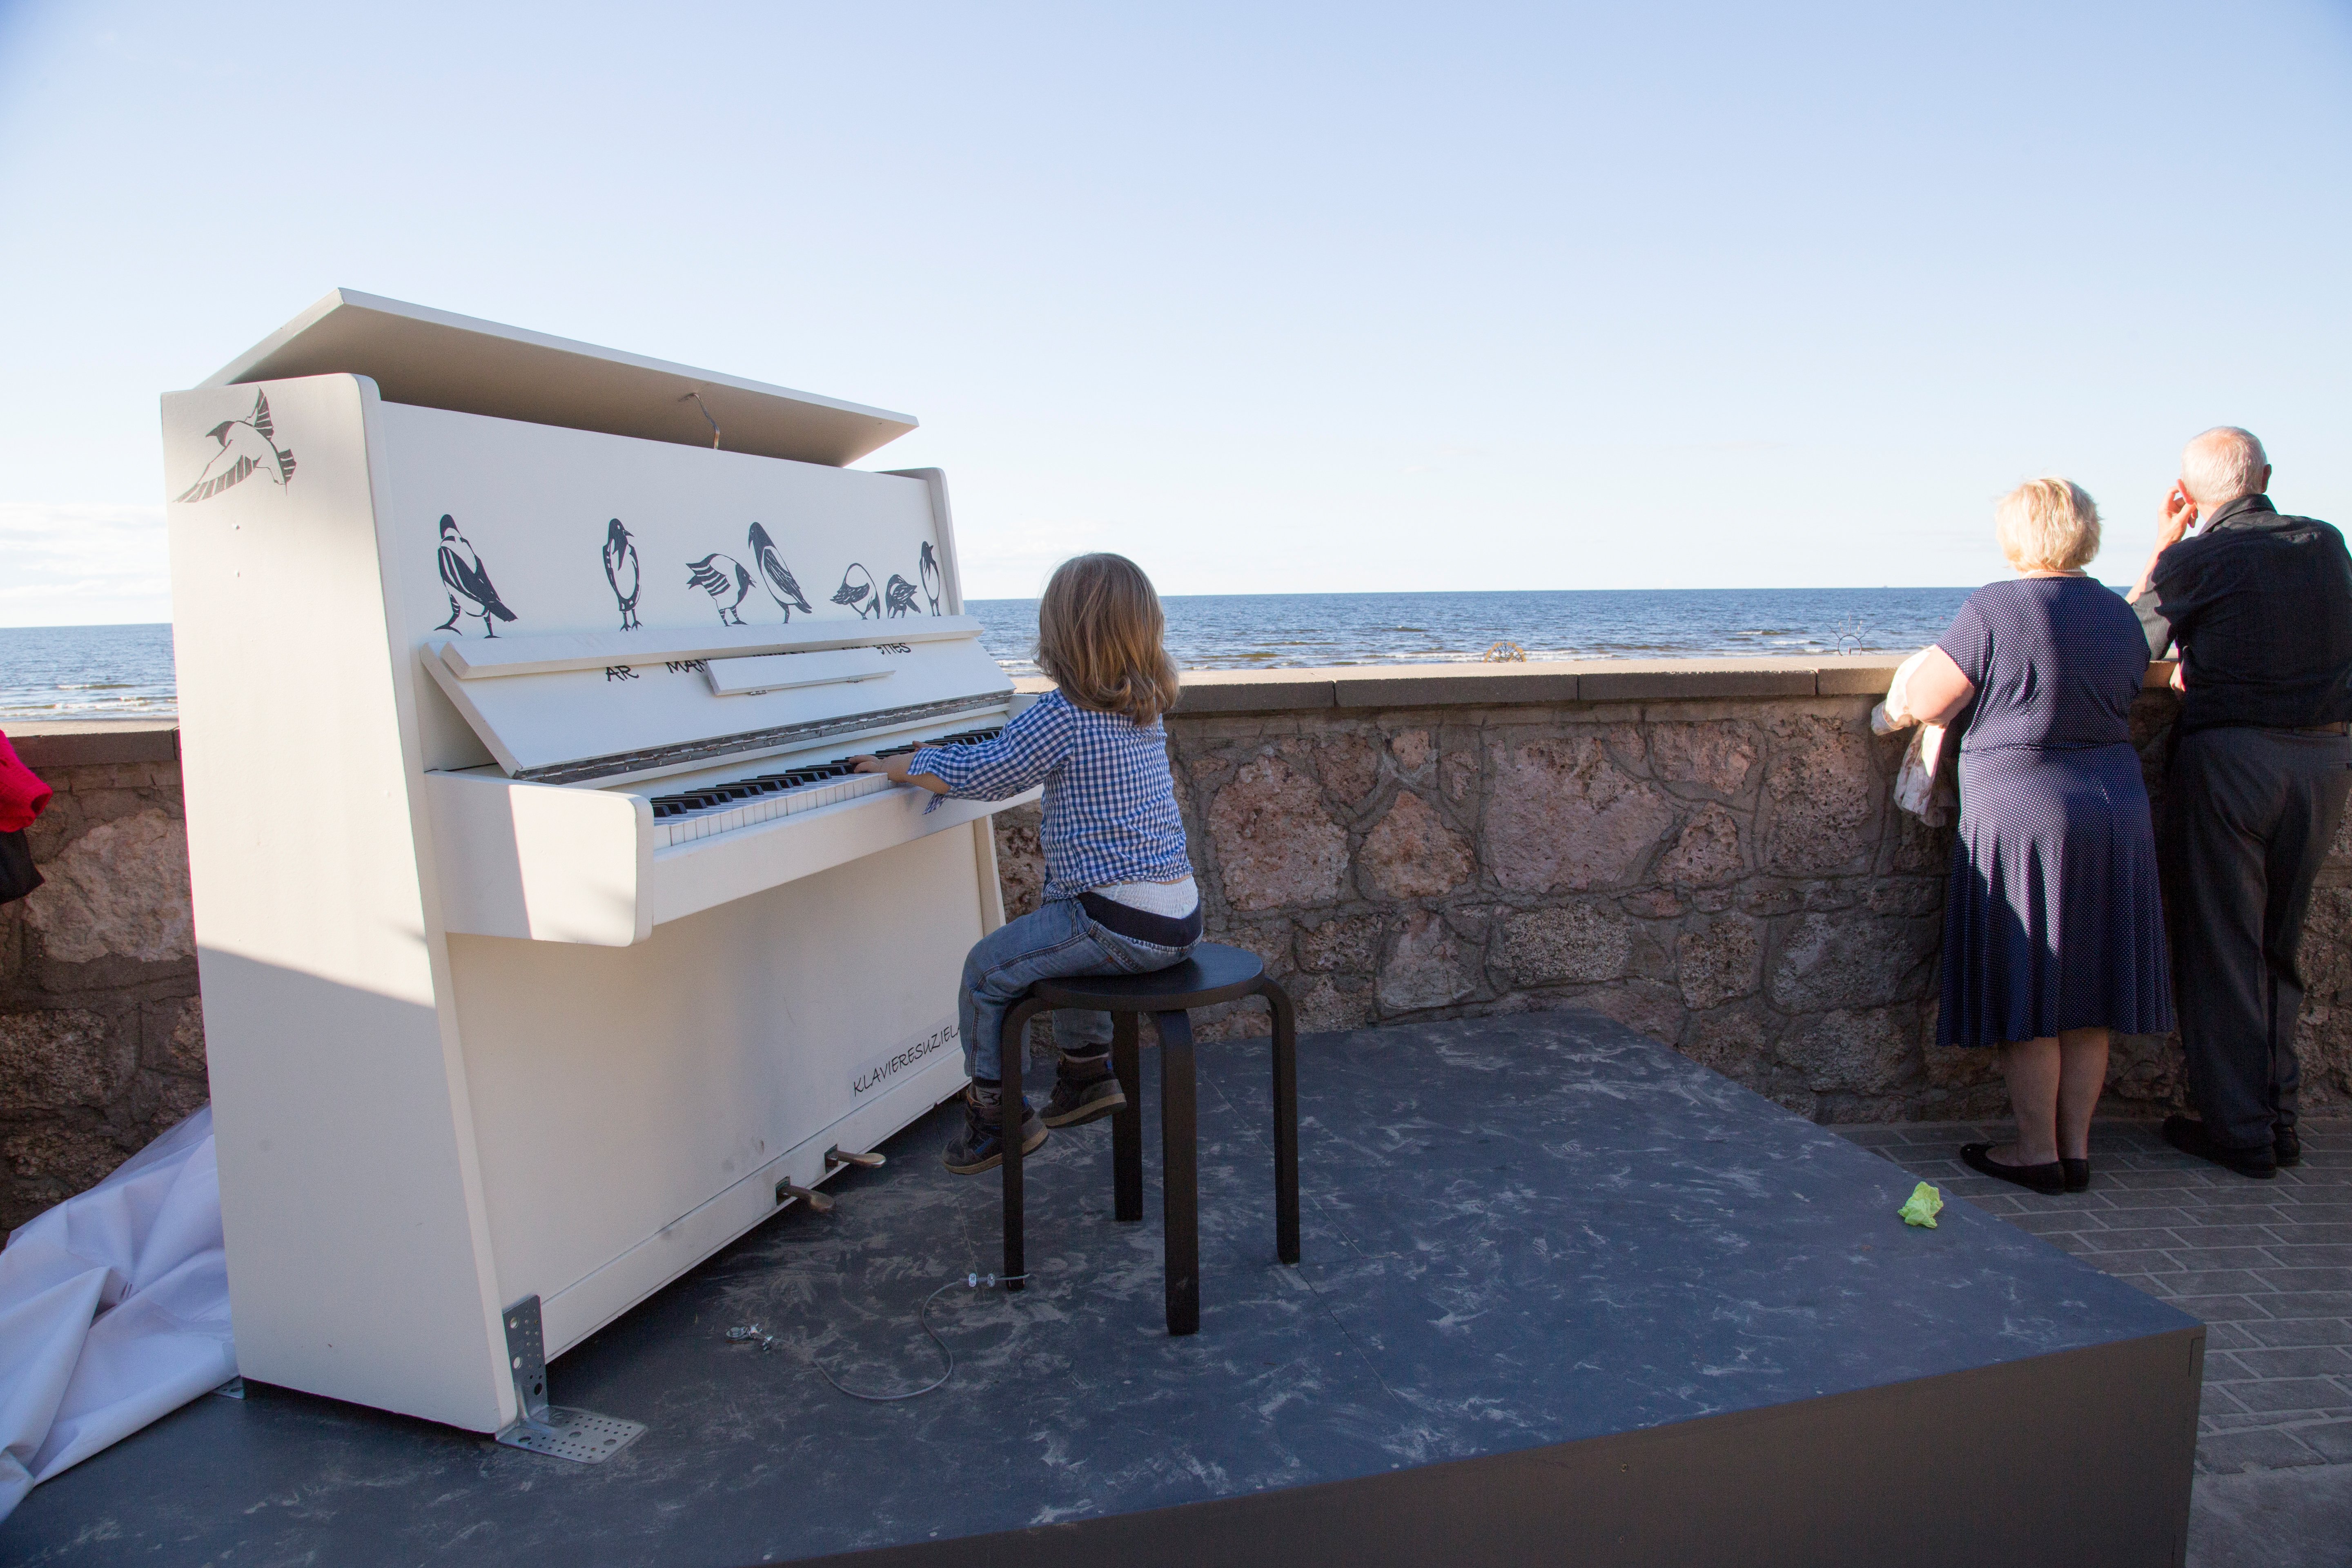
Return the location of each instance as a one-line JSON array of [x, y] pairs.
[[786, 1189], [868, 1161]]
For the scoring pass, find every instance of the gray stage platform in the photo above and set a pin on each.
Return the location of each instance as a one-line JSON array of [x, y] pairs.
[[1567, 1297]]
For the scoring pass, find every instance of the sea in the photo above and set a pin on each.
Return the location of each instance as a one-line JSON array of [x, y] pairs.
[[125, 671]]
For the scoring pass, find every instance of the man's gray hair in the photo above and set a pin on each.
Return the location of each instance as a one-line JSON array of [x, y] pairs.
[[2221, 466]]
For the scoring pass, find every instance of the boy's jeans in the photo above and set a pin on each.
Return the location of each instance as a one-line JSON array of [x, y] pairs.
[[1058, 940]]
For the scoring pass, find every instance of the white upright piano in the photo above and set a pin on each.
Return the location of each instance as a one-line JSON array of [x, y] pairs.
[[543, 953]]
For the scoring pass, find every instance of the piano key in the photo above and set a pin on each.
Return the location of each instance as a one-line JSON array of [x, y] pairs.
[[730, 804], [725, 806]]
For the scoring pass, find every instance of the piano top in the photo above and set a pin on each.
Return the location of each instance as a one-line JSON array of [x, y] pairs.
[[563, 710], [438, 360]]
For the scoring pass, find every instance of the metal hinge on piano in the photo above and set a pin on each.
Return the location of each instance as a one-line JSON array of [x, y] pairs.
[[640, 778]]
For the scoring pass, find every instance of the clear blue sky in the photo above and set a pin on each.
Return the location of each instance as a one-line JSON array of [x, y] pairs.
[[1298, 299]]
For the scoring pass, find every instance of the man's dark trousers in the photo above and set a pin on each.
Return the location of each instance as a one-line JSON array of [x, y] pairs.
[[2249, 815]]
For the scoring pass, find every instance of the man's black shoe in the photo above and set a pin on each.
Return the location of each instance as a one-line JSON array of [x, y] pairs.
[[2288, 1144], [2188, 1134]]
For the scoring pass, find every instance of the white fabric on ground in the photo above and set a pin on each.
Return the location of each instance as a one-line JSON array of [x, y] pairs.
[[113, 1309]]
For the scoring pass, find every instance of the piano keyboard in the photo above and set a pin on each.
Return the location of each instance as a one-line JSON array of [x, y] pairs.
[[710, 809]]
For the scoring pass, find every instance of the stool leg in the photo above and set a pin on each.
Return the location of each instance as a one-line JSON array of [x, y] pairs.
[[1016, 1025], [1286, 1124], [1180, 1171], [1126, 1126]]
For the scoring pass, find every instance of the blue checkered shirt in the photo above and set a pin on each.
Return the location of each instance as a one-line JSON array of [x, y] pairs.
[[1110, 803]]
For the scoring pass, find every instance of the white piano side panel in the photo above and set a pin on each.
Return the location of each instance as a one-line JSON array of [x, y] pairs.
[[533, 508], [358, 1248], [630, 1086]]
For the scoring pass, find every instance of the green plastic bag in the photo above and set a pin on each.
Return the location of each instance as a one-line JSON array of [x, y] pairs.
[[1922, 1208]]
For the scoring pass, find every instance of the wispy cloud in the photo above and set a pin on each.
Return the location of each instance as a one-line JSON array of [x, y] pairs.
[[1012, 562], [82, 564]]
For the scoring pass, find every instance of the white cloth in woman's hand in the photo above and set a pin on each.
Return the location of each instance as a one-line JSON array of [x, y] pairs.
[[1922, 786]]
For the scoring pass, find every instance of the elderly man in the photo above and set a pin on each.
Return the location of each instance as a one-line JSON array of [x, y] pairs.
[[2261, 606]]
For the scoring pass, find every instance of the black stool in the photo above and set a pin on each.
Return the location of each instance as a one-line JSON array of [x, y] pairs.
[[1213, 974]]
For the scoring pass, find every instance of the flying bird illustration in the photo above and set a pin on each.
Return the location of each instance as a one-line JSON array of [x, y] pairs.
[[929, 572], [900, 595], [719, 575], [247, 447], [777, 575], [857, 590], [620, 570], [470, 591]]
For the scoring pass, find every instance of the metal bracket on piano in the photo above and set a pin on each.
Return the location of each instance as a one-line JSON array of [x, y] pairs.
[[555, 1429]]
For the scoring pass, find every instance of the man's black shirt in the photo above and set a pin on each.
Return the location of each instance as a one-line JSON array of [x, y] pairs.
[[2262, 607]]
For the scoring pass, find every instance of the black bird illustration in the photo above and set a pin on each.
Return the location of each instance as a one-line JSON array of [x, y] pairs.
[[247, 447], [777, 575], [929, 572], [719, 575], [857, 590], [470, 591], [620, 568], [900, 595]]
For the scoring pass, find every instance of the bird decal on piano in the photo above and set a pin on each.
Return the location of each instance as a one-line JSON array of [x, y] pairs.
[[471, 590], [857, 590], [929, 572], [247, 447], [719, 575], [781, 586], [898, 594], [620, 570]]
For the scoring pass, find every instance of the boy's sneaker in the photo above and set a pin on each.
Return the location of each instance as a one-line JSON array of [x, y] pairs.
[[980, 1147], [1077, 1101]]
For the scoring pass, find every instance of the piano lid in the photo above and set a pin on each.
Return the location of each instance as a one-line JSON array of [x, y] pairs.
[[437, 360], [559, 710]]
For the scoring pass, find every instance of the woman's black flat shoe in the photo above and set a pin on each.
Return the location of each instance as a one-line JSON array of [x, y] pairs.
[[2049, 1180], [2078, 1174]]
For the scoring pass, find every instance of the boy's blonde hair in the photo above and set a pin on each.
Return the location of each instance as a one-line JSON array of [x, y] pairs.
[[2047, 525], [1098, 637]]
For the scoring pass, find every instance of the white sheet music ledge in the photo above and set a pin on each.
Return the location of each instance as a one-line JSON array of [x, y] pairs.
[[473, 659]]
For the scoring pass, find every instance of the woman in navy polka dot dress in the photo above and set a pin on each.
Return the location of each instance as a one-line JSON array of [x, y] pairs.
[[2053, 927]]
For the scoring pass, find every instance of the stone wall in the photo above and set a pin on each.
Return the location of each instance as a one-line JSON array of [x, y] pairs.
[[101, 1042], [1712, 857], [1707, 852]]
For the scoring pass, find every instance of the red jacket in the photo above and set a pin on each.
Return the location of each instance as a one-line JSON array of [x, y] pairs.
[[22, 793]]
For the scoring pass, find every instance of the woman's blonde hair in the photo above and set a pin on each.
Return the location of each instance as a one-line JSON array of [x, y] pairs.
[[2047, 525], [1098, 637]]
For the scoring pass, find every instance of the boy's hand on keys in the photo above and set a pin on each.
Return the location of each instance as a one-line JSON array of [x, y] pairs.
[[896, 767]]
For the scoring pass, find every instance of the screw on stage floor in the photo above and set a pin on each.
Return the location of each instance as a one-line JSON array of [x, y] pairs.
[[1567, 1297]]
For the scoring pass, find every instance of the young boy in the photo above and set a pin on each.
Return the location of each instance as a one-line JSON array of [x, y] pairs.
[[1120, 894]]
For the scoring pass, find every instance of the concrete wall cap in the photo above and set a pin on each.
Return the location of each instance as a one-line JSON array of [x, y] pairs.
[[63, 743], [1537, 681], [82, 742]]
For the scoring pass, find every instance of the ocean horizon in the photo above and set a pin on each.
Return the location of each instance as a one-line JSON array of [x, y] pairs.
[[125, 671]]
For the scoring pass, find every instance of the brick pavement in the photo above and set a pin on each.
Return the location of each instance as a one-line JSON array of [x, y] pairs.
[[2267, 1266]]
